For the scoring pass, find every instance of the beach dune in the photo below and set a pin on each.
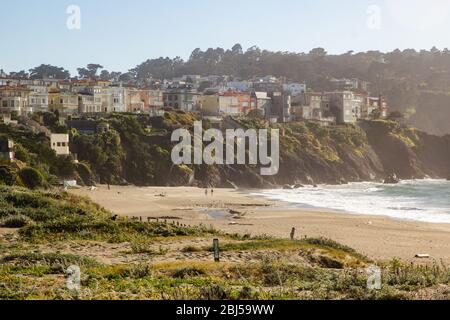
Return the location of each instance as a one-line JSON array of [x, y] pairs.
[[378, 237]]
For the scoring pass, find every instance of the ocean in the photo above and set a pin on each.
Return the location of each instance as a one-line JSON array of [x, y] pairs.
[[416, 200]]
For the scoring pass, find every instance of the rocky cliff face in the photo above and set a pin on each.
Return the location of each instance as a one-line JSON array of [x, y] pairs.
[[309, 154], [350, 154]]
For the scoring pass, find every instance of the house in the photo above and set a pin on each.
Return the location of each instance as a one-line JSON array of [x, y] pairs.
[[60, 144], [6, 149], [113, 99], [181, 97], [241, 86], [14, 99], [374, 106], [346, 106], [152, 99], [66, 103], [263, 102], [232, 103], [236, 103], [209, 105], [295, 89], [354, 84], [267, 84], [133, 100], [90, 103], [281, 106], [92, 98], [341, 105], [38, 99]]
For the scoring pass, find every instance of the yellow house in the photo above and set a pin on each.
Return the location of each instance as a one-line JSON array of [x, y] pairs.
[[66, 103], [210, 105]]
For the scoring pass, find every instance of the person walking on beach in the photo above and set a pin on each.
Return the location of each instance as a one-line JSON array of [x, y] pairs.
[[212, 192], [206, 192]]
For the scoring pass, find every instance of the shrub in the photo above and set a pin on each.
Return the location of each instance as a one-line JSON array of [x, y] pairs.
[[140, 271], [32, 178], [15, 221], [188, 272], [7, 176], [21, 153], [215, 292]]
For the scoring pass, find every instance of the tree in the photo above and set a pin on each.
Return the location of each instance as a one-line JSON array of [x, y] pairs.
[[90, 72], [49, 71], [66, 167], [318, 52], [21, 74], [237, 49]]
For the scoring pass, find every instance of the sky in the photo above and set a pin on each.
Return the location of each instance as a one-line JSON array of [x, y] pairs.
[[121, 34]]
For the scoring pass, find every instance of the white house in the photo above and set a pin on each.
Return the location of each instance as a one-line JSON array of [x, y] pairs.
[[60, 144]]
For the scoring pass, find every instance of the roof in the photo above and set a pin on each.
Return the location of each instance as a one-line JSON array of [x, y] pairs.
[[261, 95], [14, 88]]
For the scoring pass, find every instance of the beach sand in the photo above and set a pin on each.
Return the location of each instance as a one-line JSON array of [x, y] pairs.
[[380, 238]]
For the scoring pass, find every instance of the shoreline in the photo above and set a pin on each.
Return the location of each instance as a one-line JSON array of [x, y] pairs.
[[237, 211]]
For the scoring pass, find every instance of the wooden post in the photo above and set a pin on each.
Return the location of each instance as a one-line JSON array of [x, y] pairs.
[[293, 234], [216, 250]]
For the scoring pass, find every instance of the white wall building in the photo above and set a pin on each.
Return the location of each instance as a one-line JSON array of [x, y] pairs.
[[60, 144]]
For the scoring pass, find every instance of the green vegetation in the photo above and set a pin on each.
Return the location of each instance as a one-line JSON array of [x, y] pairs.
[[31, 178], [37, 165], [33, 266]]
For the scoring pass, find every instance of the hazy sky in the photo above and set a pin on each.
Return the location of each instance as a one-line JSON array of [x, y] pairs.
[[121, 34]]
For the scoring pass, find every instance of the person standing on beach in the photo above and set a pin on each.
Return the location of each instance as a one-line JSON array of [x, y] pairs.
[[206, 192], [212, 192]]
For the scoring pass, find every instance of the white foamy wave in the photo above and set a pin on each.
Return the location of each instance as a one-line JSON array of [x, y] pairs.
[[421, 200]]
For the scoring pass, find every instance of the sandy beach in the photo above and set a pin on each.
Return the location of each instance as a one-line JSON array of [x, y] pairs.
[[378, 237]]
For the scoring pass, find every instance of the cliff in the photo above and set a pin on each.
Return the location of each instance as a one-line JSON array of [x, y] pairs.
[[137, 150]]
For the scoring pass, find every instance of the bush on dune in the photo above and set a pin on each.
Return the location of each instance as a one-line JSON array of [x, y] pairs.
[[32, 178]]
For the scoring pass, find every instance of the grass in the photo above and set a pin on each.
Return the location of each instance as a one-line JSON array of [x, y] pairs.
[[267, 279], [31, 267], [62, 216]]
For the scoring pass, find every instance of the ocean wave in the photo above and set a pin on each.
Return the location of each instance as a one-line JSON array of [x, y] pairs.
[[418, 200]]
